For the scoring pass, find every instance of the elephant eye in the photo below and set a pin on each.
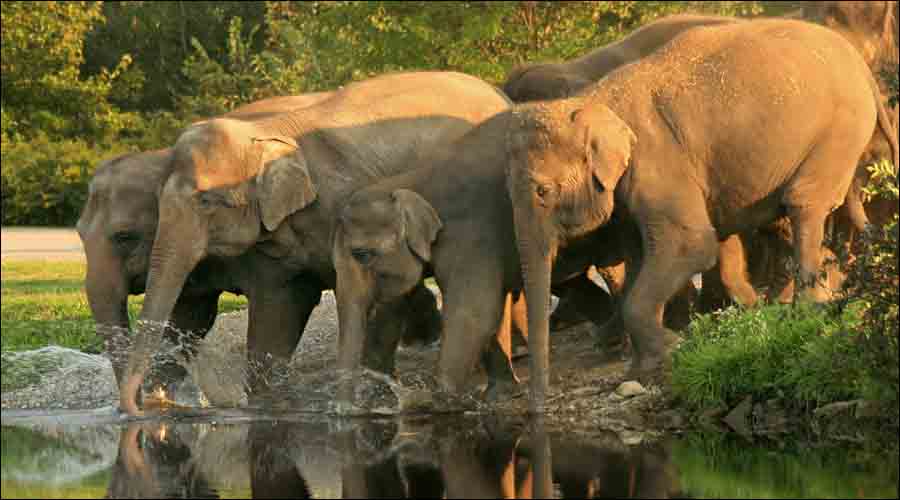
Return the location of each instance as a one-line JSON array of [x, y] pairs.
[[542, 190], [598, 186], [125, 239], [363, 255]]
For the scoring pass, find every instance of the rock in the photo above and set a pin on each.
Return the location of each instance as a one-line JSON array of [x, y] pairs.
[[834, 409], [630, 389], [739, 418], [631, 438], [713, 414]]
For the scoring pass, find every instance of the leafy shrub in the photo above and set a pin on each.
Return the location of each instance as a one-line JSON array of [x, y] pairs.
[[766, 352], [874, 281], [45, 181]]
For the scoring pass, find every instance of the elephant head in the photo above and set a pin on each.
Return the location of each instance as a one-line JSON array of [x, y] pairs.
[[230, 182], [542, 82], [565, 161], [380, 249], [117, 227]]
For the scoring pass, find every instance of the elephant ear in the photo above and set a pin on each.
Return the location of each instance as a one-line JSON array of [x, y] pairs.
[[420, 221], [608, 142], [284, 184]]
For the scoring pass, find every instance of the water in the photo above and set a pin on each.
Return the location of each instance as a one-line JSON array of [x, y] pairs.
[[240, 454]]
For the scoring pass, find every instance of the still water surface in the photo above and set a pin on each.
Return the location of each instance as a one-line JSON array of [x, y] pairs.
[[215, 454]]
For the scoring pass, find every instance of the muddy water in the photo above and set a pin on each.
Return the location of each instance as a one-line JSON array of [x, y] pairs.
[[238, 454]]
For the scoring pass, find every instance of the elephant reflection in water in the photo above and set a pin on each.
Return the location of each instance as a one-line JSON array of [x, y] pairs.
[[157, 461], [506, 468], [154, 462]]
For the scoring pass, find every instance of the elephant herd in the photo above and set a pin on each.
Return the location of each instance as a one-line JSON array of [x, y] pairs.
[[694, 145]]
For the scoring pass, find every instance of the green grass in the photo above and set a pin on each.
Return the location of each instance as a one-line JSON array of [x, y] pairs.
[[800, 353], [43, 303]]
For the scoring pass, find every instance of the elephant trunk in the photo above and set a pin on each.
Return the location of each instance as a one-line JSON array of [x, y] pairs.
[[171, 262], [353, 307], [107, 294], [535, 255]]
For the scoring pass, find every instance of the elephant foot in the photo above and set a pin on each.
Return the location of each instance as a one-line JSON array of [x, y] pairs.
[[498, 392], [610, 338], [649, 370]]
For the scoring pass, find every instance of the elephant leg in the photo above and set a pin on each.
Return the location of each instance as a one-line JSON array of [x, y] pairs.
[[424, 320], [277, 318], [384, 335], [497, 359], [191, 320], [611, 335], [677, 315], [671, 257], [470, 321], [809, 229], [733, 271]]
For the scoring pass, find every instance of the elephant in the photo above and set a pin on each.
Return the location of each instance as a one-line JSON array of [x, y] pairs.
[[447, 217], [544, 81], [117, 226], [871, 27], [867, 25], [153, 461], [558, 80], [272, 185], [723, 130]]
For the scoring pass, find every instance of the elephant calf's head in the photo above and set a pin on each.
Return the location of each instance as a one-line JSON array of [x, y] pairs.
[[382, 245], [565, 161]]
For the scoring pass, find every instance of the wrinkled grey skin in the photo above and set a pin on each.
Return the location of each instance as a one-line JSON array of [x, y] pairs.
[[538, 82], [448, 217], [749, 122], [117, 227], [272, 184]]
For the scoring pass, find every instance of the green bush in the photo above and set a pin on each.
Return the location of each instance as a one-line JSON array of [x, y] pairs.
[[45, 182], [797, 352], [874, 280]]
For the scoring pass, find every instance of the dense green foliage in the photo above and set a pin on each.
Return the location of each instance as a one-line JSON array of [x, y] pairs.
[[43, 304], [807, 354], [85, 81]]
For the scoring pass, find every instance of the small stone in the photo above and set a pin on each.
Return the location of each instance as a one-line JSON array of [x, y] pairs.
[[739, 417], [630, 389], [632, 439]]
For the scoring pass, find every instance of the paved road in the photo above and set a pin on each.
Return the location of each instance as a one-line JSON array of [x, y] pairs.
[[26, 243]]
